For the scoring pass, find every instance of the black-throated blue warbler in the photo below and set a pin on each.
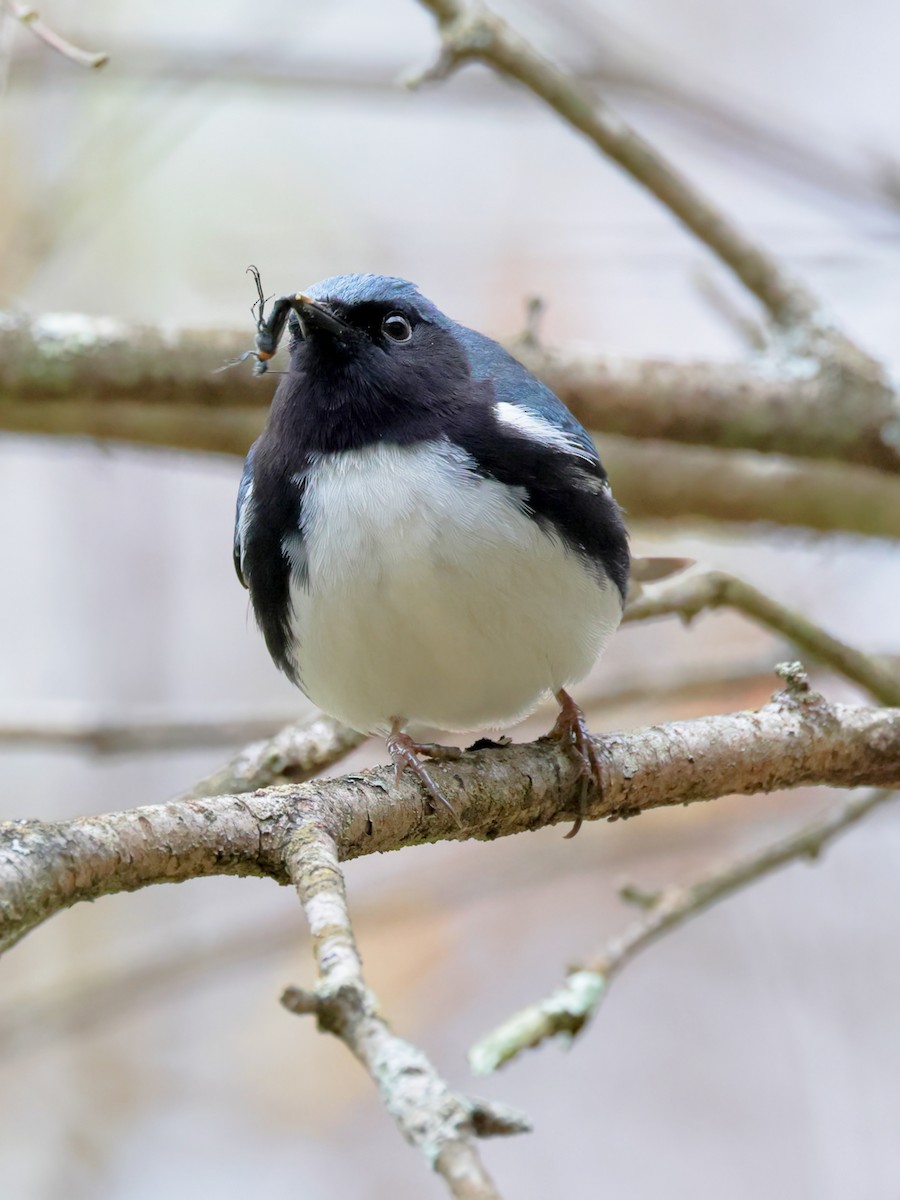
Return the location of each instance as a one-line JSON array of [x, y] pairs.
[[427, 533]]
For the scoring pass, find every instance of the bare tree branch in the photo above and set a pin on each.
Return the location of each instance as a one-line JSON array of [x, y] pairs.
[[660, 481], [470, 31], [439, 1123], [689, 595], [296, 753], [137, 736], [797, 739], [570, 1008], [292, 751], [818, 410], [856, 382], [31, 20], [299, 833], [76, 376]]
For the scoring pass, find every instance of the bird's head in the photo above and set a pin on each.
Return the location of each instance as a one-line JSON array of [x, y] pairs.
[[370, 358]]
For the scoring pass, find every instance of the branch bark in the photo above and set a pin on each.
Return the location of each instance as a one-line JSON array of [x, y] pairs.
[[438, 1122], [659, 481], [297, 752], [688, 595], [70, 375], [572, 1006], [798, 739]]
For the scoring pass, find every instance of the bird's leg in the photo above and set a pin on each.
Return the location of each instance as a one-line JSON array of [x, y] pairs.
[[404, 753], [572, 731]]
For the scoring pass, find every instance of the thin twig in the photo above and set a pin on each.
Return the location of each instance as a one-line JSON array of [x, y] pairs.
[[138, 736], [31, 20], [432, 1118], [689, 595], [568, 1010], [296, 753], [750, 331], [287, 748]]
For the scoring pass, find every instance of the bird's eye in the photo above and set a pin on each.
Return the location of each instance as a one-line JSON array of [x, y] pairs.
[[396, 327]]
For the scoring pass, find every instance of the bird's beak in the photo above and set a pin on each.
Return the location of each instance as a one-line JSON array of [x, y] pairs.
[[313, 315]]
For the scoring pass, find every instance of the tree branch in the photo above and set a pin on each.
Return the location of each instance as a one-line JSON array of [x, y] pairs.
[[70, 375], [296, 753], [470, 31], [78, 376], [439, 1123], [31, 20], [659, 481], [573, 1005], [813, 407], [798, 739], [136, 736], [688, 595], [856, 382]]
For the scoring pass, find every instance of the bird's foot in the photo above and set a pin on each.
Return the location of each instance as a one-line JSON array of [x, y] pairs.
[[404, 752], [571, 730]]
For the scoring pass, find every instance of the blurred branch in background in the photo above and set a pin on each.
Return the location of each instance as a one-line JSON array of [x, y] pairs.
[[68, 374], [76, 376], [570, 1008], [294, 748], [692, 594], [807, 345], [28, 17]]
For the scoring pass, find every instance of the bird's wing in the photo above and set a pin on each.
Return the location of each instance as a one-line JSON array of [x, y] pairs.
[[519, 392], [242, 515], [524, 437]]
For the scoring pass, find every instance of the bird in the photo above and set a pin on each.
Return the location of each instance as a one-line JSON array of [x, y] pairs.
[[428, 536]]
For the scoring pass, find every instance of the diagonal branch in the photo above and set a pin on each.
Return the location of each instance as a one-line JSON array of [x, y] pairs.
[[296, 753], [31, 20], [798, 739], [690, 594], [855, 381], [432, 1118], [573, 1005], [470, 31]]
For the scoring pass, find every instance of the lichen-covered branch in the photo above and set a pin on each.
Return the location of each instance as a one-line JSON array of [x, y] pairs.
[[798, 739], [688, 595], [573, 1005], [663, 481], [813, 407], [73, 376], [432, 1118]]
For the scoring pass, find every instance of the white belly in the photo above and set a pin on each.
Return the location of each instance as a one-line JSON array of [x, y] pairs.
[[432, 598]]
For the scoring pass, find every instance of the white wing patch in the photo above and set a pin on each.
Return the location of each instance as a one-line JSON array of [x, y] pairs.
[[539, 430]]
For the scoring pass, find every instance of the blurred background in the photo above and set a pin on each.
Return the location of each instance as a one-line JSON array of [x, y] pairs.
[[142, 1049]]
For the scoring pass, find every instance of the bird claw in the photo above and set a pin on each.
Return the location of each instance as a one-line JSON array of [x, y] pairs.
[[571, 731], [404, 752]]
